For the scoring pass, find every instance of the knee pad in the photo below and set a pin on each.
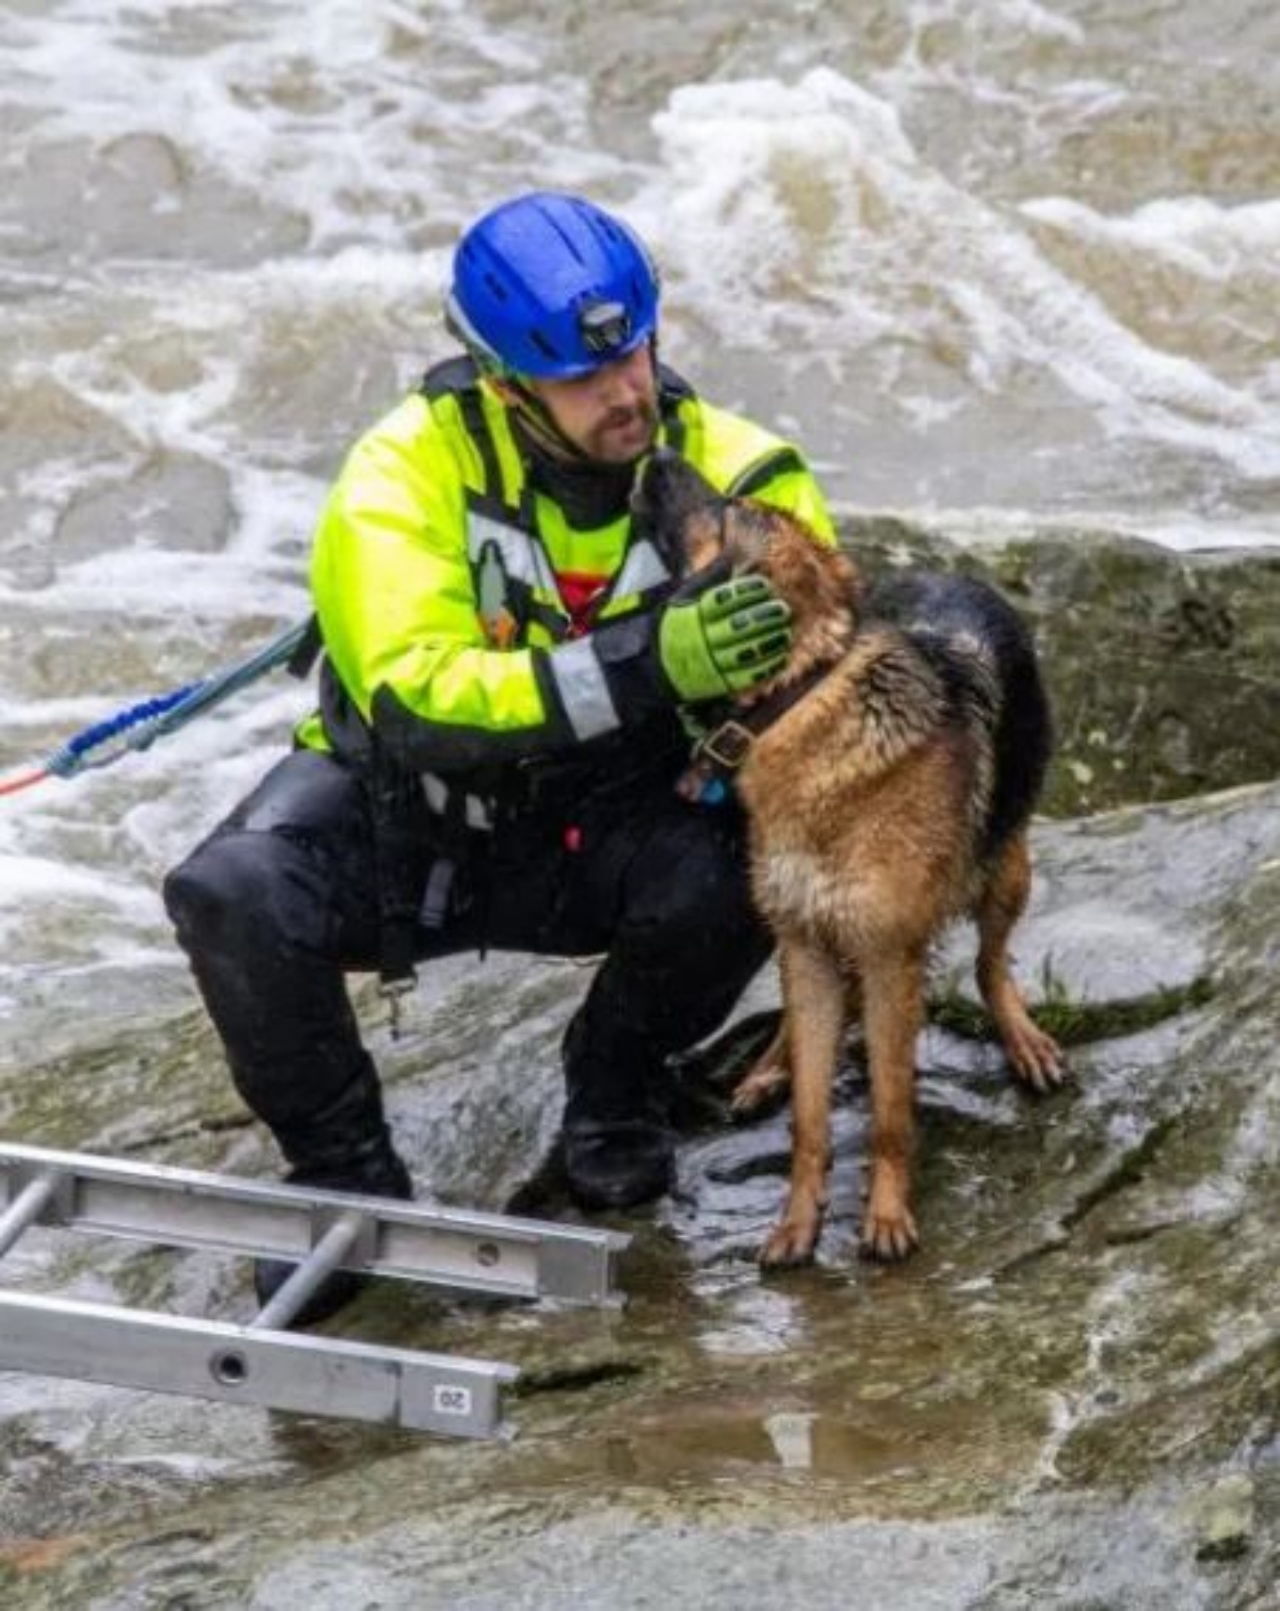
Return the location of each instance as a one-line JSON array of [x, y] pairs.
[[198, 891], [227, 890]]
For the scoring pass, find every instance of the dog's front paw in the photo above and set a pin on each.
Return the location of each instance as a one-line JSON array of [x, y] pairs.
[[888, 1232], [791, 1242]]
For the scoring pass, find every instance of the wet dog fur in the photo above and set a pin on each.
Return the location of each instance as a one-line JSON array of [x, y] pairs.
[[891, 799]]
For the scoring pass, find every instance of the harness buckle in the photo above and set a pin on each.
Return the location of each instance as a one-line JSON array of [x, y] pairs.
[[393, 991]]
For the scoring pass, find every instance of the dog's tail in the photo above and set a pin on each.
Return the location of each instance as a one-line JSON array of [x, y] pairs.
[[984, 653]]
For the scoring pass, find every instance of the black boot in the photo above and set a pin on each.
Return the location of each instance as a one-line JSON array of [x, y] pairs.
[[617, 1163], [346, 1146], [619, 1149]]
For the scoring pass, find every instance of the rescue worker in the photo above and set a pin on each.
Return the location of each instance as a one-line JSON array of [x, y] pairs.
[[506, 658]]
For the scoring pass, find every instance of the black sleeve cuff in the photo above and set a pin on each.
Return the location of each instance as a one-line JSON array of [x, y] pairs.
[[628, 654]]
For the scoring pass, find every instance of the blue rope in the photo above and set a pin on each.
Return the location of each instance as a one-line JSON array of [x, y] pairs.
[[68, 758], [140, 725]]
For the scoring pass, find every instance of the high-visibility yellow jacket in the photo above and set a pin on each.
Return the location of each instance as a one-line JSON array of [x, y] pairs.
[[435, 580]]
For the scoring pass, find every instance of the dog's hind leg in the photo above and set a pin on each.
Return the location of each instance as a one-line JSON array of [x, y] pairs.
[[767, 1077], [770, 1074], [1036, 1058], [893, 1014], [813, 997]]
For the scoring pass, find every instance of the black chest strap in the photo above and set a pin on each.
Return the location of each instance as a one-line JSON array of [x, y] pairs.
[[459, 378], [301, 662]]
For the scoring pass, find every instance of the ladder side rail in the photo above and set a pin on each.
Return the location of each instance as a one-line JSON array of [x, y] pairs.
[[489, 1253], [453, 1396]]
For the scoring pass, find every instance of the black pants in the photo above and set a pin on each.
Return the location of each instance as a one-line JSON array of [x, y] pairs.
[[279, 903]]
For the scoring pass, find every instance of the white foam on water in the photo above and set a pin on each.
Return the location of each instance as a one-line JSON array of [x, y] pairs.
[[81, 863], [81, 916], [1202, 236], [24, 876], [354, 116], [996, 19], [160, 584], [805, 206]]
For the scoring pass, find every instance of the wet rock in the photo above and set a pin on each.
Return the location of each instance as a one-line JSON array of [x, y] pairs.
[[50, 439], [1028, 1413], [139, 196], [1161, 664], [170, 501]]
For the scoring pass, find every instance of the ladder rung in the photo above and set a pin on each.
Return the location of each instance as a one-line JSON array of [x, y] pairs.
[[27, 1207], [311, 1274], [279, 1369]]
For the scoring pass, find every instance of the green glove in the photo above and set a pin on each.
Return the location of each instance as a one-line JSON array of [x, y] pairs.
[[724, 640]]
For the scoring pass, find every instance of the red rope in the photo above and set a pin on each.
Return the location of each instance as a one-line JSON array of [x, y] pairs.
[[24, 780]]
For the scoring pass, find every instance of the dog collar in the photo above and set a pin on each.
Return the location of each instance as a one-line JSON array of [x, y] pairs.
[[721, 752]]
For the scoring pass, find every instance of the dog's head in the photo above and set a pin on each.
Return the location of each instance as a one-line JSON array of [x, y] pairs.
[[697, 525]]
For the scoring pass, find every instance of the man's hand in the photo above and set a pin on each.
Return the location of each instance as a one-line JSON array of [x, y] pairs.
[[723, 640]]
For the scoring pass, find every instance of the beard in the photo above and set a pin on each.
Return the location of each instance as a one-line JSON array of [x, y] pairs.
[[623, 435]]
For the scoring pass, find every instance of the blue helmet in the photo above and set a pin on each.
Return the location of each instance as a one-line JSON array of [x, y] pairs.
[[549, 286]]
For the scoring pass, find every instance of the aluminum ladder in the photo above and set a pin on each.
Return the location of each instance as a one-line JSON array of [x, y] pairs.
[[263, 1363]]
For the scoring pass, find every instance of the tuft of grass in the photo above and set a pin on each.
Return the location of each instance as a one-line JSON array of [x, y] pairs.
[[1072, 1020]]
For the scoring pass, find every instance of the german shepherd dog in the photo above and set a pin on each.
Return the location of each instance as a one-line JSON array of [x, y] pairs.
[[891, 797]]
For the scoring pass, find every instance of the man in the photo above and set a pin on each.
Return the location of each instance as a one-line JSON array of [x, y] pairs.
[[506, 659]]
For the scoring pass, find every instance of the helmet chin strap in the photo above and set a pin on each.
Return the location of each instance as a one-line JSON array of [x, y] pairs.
[[542, 424]]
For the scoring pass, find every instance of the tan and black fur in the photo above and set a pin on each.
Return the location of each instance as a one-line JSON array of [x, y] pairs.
[[892, 798]]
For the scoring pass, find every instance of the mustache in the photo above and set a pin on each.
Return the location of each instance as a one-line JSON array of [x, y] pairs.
[[625, 413]]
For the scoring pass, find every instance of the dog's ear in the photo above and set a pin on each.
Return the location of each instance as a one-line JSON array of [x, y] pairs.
[[747, 530]]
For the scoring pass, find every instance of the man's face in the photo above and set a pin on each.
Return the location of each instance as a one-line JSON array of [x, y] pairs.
[[610, 414]]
